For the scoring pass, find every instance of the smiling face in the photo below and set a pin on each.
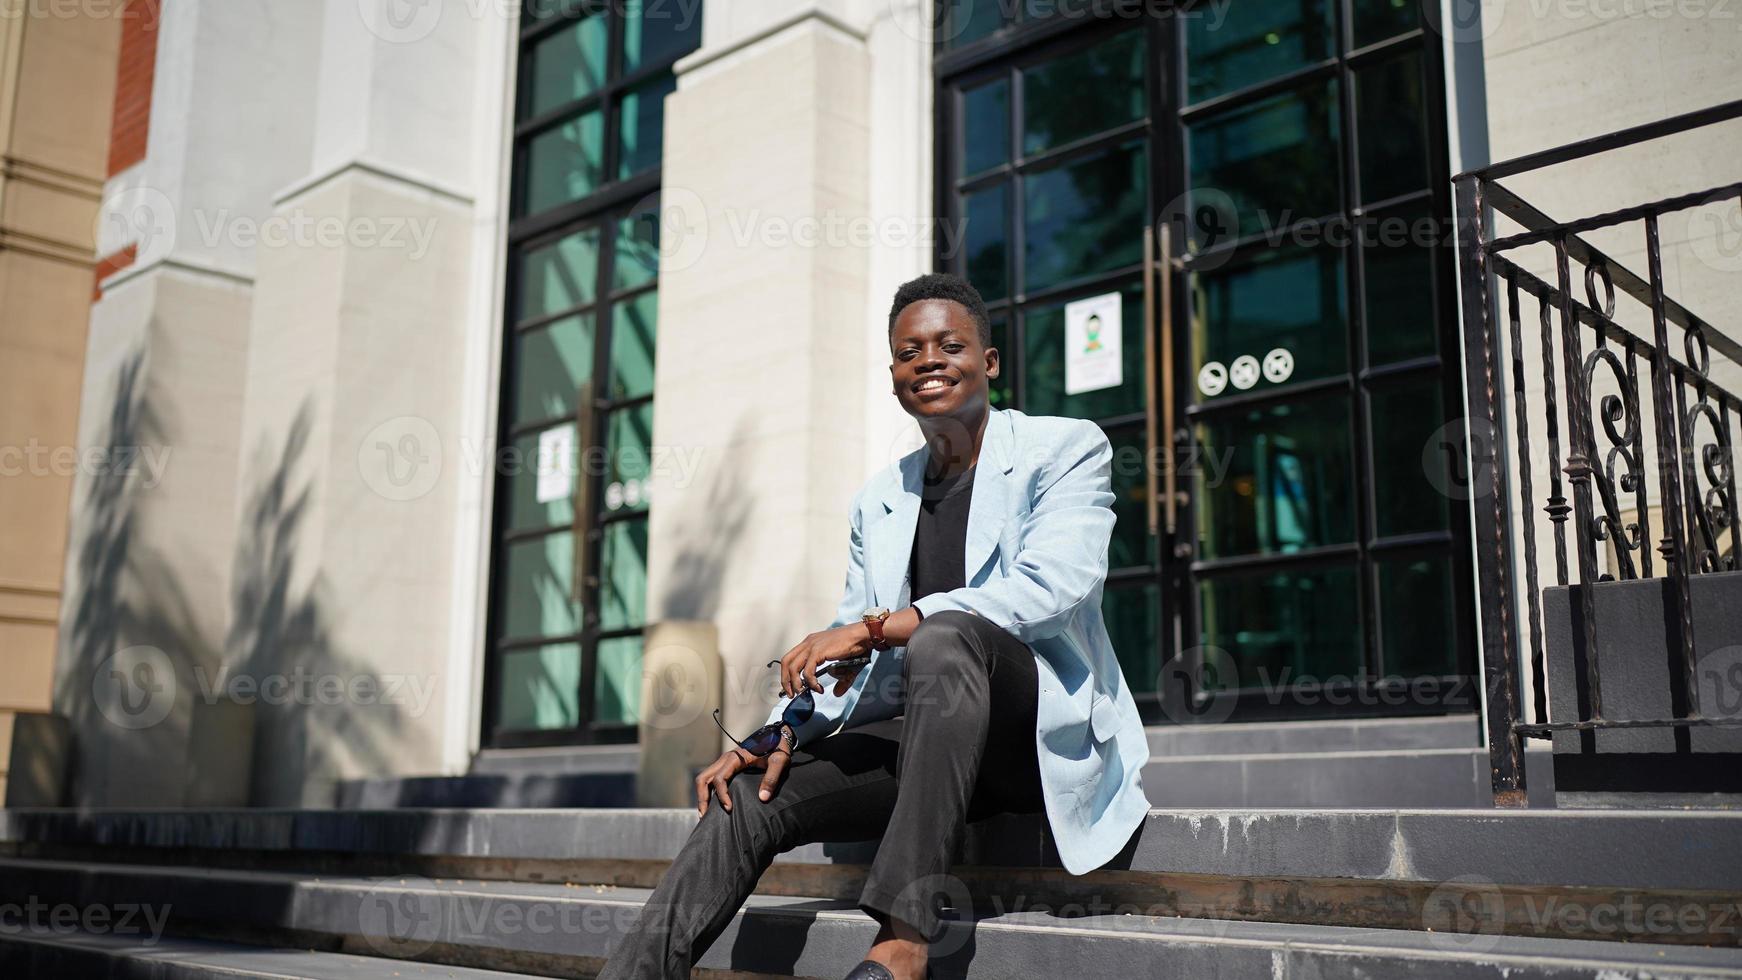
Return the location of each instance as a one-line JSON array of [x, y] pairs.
[[939, 366]]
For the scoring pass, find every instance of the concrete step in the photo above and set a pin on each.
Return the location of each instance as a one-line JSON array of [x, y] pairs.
[[1330, 735], [1680, 849], [565, 930], [507, 790], [1411, 778], [49, 952]]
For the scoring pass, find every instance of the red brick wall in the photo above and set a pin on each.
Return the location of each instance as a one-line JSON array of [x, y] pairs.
[[133, 85], [110, 265]]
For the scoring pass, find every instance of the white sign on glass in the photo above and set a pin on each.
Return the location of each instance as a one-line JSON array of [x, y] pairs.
[[556, 463], [1093, 353]]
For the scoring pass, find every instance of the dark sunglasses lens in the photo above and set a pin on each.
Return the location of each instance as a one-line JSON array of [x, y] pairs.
[[800, 710], [763, 744]]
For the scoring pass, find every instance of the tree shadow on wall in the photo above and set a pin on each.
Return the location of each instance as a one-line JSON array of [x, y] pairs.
[[327, 717]]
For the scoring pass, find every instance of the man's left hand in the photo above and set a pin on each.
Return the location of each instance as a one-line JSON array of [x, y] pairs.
[[798, 669]]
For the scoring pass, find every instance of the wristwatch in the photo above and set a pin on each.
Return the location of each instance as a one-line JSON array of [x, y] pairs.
[[873, 619]]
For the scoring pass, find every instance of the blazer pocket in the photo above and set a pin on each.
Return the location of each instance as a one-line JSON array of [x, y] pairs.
[[1104, 717]]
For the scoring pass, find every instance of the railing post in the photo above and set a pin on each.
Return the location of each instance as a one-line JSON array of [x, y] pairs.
[[1488, 499]]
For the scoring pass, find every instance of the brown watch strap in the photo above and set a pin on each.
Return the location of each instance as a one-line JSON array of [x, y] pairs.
[[875, 627]]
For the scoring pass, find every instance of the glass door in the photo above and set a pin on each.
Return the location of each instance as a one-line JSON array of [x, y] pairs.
[[1283, 547]]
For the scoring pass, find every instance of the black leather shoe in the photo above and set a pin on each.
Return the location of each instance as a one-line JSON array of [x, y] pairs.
[[870, 970]]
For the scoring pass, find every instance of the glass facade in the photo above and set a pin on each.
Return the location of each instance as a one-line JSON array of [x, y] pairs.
[[569, 569], [1293, 154]]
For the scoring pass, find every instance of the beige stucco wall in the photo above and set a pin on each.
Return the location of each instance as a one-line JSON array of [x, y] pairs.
[[57, 80]]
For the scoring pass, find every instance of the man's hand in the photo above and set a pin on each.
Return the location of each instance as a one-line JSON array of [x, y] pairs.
[[714, 779], [798, 669]]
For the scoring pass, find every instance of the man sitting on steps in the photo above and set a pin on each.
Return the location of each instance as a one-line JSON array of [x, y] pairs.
[[992, 688]]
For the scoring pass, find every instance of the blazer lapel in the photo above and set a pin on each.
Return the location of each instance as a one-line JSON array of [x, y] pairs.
[[889, 542]]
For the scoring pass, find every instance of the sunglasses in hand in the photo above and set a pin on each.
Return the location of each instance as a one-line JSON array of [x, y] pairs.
[[798, 711]]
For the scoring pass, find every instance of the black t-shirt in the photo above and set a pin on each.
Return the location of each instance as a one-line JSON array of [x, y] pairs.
[[940, 537]]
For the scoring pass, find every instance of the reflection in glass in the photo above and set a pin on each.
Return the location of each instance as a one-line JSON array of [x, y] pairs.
[[1130, 544], [1393, 121], [1415, 616], [986, 240], [628, 443], [1274, 159], [537, 587], [653, 33], [1406, 496], [1276, 479], [636, 260], [561, 275], [634, 326], [1290, 299], [1003, 386], [1084, 218], [1133, 616], [641, 124], [985, 127], [623, 578], [617, 685], [1089, 92], [1043, 379], [552, 360], [1285, 627], [1399, 286], [566, 66], [1233, 46], [967, 21], [1376, 20], [540, 688], [562, 163]]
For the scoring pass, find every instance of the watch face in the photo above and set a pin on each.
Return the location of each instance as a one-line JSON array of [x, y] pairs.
[[875, 612]]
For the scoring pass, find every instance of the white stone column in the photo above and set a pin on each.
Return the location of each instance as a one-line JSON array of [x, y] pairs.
[[799, 134]]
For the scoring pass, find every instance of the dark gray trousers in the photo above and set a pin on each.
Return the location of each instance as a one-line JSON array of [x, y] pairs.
[[964, 749]]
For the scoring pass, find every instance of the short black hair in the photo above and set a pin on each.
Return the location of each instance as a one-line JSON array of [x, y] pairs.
[[942, 285]]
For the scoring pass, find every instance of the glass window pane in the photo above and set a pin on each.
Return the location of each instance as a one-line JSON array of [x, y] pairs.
[[550, 363], [985, 127], [561, 275], [539, 688], [1290, 301], [565, 66], [1082, 94], [617, 684], [536, 593], [634, 325], [1002, 387], [1392, 129], [641, 120], [1233, 46], [1275, 160], [562, 163], [628, 442], [1399, 286], [1407, 470], [1376, 20], [521, 467], [1130, 544], [1084, 218], [1415, 616], [1043, 379], [636, 259], [1133, 616], [967, 21], [657, 32], [986, 238], [1276, 479], [623, 575], [1285, 626], [532, 10]]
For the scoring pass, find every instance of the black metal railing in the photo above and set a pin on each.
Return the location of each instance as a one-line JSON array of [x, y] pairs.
[[1613, 423]]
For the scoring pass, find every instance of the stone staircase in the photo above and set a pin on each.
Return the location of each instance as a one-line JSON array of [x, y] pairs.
[[1200, 893]]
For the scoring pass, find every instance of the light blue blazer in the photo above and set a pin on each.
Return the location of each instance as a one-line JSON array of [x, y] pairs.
[[1039, 522]]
